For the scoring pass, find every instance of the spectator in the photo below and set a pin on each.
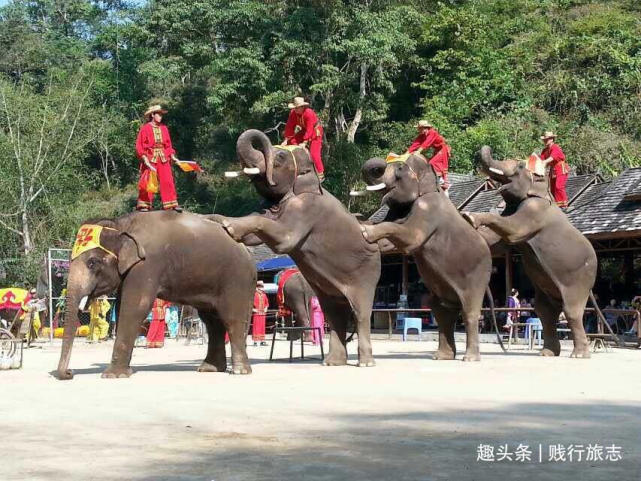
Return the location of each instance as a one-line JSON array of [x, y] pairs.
[[98, 325], [156, 333], [611, 316], [317, 320], [512, 316], [259, 314]]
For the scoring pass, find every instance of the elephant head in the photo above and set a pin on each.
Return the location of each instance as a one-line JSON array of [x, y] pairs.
[[401, 181], [518, 182], [96, 269], [274, 170]]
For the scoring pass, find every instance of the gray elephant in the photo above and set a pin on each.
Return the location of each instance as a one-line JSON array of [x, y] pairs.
[[314, 228], [177, 257], [297, 295], [452, 259], [558, 259]]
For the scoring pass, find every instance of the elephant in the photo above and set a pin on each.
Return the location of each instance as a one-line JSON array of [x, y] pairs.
[[297, 294], [179, 257], [452, 259], [316, 230], [558, 259]]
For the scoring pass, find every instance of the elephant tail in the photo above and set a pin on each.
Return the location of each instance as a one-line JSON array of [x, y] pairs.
[[599, 313], [490, 300]]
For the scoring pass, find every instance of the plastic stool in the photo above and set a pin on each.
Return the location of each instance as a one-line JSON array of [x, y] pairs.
[[412, 323]]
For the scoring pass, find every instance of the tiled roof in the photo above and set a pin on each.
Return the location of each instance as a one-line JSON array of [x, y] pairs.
[[576, 184], [486, 201], [262, 253], [603, 209], [460, 192]]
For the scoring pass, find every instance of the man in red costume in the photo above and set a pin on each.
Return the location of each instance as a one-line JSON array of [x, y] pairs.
[[156, 332], [259, 314], [559, 168], [428, 137], [304, 128], [154, 149]]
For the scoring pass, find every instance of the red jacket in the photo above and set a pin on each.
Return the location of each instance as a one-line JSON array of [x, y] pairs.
[[154, 145], [426, 139], [302, 128], [558, 167], [261, 302]]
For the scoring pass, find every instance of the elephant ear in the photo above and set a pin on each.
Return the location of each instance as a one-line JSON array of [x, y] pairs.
[[130, 253], [306, 181], [539, 188]]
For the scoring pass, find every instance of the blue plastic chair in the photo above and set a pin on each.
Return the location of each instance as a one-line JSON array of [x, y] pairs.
[[412, 323]]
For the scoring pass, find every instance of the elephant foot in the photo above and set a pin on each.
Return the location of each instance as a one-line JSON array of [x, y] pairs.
[[547, 353], [231, 230], [443, 355], [207, 367], [117, 372], [367, 363], [472, 357], [65, 375], [241, 370], [333, 361], [581, 353]]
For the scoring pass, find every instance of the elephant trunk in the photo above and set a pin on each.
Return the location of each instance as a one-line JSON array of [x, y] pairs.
[[373, 172], [496, 169], [255, 151], [76, 299]]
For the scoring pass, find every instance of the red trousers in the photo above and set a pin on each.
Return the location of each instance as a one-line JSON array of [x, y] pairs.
[[557, 186], [315, 147], [156, 333], [167, 188], [258, 327]]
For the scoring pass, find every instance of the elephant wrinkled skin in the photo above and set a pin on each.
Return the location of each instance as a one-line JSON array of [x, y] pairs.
[[177, 257], [558, 259], [314, 228], [452, 259]]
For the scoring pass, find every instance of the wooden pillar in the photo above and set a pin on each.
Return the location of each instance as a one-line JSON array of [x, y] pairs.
[[509, 271], [405, 282]]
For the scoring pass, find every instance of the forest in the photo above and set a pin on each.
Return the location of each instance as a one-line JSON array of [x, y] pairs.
[[76, 76]]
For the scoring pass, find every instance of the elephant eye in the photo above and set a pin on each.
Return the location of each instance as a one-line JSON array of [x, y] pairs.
[[93, 263]]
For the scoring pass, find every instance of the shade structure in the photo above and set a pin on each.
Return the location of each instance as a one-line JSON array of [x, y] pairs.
[[275, 263]]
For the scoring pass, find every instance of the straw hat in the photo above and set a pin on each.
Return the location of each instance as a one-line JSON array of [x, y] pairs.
[[548, 135], [298, 102], [423, 124], [260, 284], [153, 109]]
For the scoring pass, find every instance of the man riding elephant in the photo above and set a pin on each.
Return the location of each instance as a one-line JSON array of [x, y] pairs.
[[316, 230], [558, 259], [303, 128], [181, 258]]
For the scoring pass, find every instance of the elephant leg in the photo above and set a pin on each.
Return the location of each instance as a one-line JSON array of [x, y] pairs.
[[134, 306], [471, 316], [337, 315], [363, 328], [548, 311], [574, 315], [216, 359], [446, 320]]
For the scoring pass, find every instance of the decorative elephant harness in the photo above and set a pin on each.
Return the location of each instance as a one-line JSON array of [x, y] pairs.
[[88, 238]]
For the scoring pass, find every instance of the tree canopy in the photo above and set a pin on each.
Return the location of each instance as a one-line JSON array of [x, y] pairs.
[[76, 75]]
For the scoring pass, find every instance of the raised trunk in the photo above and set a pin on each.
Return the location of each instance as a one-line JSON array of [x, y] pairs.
[[373, 171], [261, 157], [496, 169]]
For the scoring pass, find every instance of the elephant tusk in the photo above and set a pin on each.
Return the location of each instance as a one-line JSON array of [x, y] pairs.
[[232, 174], [497, 171], [376, 187], [83, 303], [357, 193], [251, 170]]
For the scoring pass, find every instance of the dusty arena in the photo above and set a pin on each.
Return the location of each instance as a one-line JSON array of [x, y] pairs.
[[510, 416]]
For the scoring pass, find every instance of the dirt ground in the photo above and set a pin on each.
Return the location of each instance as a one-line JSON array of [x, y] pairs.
[[408, 418]]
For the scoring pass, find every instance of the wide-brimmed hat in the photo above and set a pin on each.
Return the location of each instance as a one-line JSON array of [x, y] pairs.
[[423, 124], [260, 283], [153, 109], [548, 135], [297, 102]]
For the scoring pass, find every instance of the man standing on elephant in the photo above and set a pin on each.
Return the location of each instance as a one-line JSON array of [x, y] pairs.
[[428, 137], [304, 128], [154, 149], [259, 314], [559, 169]]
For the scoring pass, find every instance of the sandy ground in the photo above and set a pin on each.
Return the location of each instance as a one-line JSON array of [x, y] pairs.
[[408, 418]]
